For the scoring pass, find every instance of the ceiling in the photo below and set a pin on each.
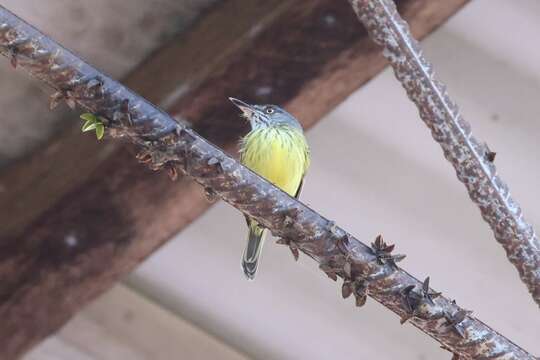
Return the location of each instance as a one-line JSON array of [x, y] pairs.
[[113, 35]]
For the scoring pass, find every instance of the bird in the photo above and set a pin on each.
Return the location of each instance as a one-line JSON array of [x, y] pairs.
[[276, 149]]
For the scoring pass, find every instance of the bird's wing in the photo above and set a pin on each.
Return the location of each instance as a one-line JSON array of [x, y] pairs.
[[299, 190]]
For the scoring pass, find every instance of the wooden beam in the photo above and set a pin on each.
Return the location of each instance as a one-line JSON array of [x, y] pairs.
[[309, 56]]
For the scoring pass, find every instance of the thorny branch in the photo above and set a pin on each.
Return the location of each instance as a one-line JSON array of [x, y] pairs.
[[472, 160], [165, 143]]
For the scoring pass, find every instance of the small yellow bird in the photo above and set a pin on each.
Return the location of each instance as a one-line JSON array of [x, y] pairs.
[[277, 150]]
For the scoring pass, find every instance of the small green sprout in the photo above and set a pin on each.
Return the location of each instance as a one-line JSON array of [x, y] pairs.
[[92, 122]]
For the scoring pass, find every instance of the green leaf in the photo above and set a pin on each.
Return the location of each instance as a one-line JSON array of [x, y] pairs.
[[100, 130], [89, 117], [89, 126]]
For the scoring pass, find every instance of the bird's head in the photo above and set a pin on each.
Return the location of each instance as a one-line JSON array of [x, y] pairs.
[[265, 115]]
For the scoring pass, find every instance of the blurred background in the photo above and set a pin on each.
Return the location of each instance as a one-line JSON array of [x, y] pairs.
[[375, 169]]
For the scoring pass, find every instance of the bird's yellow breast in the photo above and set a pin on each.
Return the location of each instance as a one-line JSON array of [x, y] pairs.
[[280, 154]]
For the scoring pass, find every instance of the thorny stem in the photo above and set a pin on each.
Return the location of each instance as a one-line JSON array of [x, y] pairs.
[[365, 270], [472, 160]]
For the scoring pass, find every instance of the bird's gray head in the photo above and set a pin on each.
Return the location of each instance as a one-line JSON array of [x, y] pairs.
[[266, 115]]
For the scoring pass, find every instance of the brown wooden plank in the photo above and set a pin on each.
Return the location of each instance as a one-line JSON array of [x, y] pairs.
[[309, 56], [31, 186]]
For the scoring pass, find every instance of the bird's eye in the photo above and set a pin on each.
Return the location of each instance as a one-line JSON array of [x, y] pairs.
[[269, 110]]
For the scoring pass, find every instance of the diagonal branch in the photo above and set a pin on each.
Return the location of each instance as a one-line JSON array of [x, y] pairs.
[[365, 269], [472, 160]]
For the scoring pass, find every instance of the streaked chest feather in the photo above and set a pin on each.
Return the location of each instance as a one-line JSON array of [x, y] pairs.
[[277, 154]]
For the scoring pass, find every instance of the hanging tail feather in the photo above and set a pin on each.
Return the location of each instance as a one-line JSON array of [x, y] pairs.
[[250, 258]]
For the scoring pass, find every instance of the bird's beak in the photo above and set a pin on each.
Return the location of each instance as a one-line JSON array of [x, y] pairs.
[[247, 109]]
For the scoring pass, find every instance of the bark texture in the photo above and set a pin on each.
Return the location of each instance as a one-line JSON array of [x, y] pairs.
[[472, 159]]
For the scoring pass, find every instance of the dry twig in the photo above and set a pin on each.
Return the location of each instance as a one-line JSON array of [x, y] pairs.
[[472, 160]]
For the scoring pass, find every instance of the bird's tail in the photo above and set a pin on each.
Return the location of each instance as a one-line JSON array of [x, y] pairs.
[[250, 258]]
